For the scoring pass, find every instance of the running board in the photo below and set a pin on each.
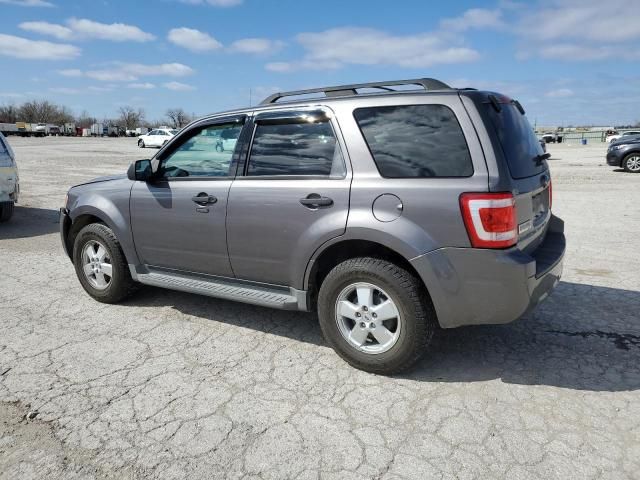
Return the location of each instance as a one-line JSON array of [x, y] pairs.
[[227, 289]]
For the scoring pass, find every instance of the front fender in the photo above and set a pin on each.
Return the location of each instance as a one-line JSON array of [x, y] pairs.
[[111, 205]]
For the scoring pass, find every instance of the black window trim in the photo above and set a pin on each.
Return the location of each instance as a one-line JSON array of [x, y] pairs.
[[280, 117], [373, 158], [172, 145]]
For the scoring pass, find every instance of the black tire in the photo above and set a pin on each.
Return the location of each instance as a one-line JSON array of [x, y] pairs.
[[629, 165], [6, 211], [121, 284], [141, 143], [412, 302]]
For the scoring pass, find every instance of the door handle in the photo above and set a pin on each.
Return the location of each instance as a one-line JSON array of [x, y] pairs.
[[204, 199], [314, 200]]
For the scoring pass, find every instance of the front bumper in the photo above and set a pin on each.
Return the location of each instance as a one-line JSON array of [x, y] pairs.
[[614, 158], [9, 185], [470, 286], [65, 225]]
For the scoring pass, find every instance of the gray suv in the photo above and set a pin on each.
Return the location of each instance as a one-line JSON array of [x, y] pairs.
[[390, 208]]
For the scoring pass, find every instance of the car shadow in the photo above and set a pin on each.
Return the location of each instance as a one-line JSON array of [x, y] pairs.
[[30, 222], [583, 337]]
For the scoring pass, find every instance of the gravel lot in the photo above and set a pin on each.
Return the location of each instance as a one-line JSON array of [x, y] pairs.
[[172, 385]]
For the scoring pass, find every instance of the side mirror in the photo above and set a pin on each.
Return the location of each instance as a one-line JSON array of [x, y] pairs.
[[140, 170]]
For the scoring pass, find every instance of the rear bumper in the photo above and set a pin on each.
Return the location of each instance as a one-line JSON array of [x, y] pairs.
[[479, 286], [65, 225], [9, 186]]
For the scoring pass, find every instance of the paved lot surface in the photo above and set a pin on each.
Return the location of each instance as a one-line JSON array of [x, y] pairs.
[[171, 385]]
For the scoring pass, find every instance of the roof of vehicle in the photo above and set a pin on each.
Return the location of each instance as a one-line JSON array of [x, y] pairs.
[[421, 86]]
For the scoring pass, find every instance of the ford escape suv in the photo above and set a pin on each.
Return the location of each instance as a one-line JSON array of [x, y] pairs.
[[390, 208]]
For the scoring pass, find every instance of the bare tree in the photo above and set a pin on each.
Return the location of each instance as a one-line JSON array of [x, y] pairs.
[[178, 117], [129, 117], [85, 120], [39, 111], [8, 113]]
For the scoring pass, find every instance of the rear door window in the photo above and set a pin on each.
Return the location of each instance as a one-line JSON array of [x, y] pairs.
[[415, 141], [296, 149]]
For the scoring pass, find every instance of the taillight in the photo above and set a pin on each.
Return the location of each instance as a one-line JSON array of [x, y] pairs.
[[550, 194], [490, 219]]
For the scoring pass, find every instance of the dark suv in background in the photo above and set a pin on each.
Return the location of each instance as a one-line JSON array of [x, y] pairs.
[[625, 153], [389, 211]]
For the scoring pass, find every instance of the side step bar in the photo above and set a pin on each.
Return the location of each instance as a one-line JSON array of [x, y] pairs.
[[228, 289]]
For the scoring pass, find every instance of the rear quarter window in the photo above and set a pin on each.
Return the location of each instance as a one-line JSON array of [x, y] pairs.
[[415, 141]]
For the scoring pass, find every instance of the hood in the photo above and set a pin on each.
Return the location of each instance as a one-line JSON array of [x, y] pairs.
[[103, 179]]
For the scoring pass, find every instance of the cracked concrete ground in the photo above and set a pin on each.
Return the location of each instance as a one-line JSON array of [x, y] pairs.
[[172, 385]]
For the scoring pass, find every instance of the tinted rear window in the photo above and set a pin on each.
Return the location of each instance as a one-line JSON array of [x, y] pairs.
[[518, 140], [415, 141]]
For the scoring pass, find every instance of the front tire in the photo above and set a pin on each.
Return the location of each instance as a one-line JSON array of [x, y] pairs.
[[101, 265], [6, 211], [631, 163], [141, 143], [376, 315]]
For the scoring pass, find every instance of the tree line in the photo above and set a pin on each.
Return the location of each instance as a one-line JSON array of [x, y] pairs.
[[129, 118]]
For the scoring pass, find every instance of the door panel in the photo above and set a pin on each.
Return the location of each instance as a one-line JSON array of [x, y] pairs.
[[293, 198], [272, 235], [170, 230]]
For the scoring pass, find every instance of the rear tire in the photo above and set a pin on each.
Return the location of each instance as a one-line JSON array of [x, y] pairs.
[[6, 211], [101, 265], [407, 331], [631, 163]]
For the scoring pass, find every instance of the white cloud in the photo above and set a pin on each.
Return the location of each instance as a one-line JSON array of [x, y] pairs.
[[70, 72], [214, 3], [28, 3], [142, 86], [256, 46], [179, 87], [36, 50], [130, 72], [559, 93], [87, 29], [580, 30], [193, 40], [116, 32], [337, 47], [65, 90], [46, 28], [474, 18]]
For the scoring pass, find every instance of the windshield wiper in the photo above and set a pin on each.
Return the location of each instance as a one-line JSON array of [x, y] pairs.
[[541, 158]]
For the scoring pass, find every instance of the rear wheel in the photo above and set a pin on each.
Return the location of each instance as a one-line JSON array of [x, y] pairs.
[[631, 163], [100, 264], [6, 211], [375, 315]]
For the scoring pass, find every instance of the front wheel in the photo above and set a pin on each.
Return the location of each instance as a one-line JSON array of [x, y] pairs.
[[6, 211], [376, 315], [141, 143], [631, 163], [100, 264]]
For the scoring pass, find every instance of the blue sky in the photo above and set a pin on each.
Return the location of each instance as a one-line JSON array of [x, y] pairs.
[[567, 61]]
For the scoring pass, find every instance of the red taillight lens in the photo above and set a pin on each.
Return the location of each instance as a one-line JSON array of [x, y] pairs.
[[490, 219], [550, 194]]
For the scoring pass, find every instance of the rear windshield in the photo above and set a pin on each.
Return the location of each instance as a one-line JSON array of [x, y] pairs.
[[518, 140]]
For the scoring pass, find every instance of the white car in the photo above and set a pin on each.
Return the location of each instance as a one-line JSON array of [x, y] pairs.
[[613, 138], [156, 138], [9, 182]]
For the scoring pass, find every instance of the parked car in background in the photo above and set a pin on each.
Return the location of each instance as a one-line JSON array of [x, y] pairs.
[[625, 153], [156, 138], [549, 137], [618, 136], [9, 181], [391, 214]]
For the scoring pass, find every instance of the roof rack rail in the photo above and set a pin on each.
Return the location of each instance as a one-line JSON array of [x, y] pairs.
[[347, 90]]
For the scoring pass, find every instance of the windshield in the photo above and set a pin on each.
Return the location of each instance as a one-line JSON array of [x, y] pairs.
[[518, 140]]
